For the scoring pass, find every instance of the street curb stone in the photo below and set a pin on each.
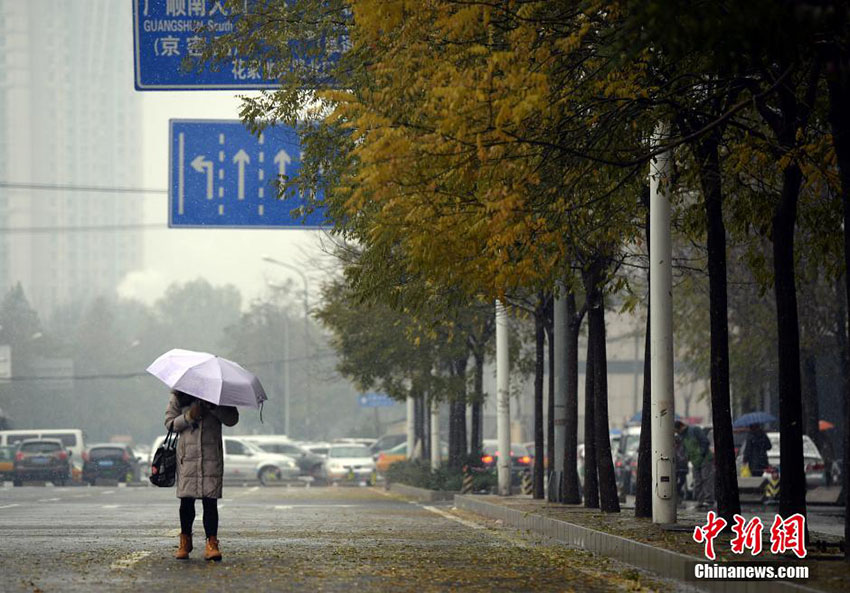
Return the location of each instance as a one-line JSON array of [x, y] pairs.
[[662, 562], [422, 494]]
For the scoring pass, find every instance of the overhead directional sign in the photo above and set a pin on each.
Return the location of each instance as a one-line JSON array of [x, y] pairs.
[[221, 175], [375, 400], [167, 32]]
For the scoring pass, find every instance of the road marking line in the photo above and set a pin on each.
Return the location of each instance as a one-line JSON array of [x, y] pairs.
[[254, 489], [9, 506], [48, 499], [173, 532], [109, 492], [111, 506], [283, 507], [129, 560], [82, 495], [452, 517]]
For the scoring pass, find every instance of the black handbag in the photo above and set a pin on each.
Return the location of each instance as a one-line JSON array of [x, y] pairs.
[[164, 463]]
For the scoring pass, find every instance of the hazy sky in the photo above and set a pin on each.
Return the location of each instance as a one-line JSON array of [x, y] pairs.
[[221, 256]]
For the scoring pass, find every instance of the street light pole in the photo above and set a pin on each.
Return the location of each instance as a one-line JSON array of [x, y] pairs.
[[306, 304]]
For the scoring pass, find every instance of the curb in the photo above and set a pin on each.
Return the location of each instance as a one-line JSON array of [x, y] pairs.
[[422, 494], [663, 563]]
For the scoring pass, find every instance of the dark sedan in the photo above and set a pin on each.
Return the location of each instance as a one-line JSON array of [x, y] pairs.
[[521, 459], [42, 459], [110, 462]]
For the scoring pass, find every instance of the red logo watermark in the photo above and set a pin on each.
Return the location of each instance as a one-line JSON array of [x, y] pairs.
[[786, 535]]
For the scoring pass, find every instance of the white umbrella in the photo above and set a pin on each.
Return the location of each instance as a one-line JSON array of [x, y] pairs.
[[208, 377]]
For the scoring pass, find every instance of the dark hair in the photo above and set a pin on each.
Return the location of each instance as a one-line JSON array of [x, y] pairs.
[[183, 399]]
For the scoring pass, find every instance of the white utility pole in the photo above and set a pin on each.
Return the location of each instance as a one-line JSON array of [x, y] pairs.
[[435, 434], [560, 415], [661, 335], [503, 402], [411, 426]]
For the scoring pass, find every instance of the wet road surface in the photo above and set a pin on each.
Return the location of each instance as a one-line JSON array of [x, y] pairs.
[[280, 539]]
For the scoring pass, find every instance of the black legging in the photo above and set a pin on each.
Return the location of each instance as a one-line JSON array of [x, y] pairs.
[[187, 516]]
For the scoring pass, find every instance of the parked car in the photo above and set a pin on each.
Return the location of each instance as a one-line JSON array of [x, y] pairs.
[[387, 442], [813, 464], [309, 463], [72, 440], [365, 441], [385, 459], [7, 462], [42, 459], [349, 463], [245, 460], [521, 459], [110, 461], [320, 449]]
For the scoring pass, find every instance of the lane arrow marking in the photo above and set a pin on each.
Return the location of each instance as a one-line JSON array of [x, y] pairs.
[[200, 164], [241, 159], [282, 159]]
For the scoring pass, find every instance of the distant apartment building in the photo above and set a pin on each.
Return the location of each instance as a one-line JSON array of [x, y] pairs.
[[70, 118]]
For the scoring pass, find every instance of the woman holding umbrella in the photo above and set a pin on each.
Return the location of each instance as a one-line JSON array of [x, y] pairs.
[[200, 465], [216, 386]]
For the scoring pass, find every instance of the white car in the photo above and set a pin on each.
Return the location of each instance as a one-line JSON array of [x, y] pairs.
[[813, 465], [349, 463], [246, 461]]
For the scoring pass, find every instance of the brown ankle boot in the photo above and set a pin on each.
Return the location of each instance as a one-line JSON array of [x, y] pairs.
[[212, 552], [182, 552]]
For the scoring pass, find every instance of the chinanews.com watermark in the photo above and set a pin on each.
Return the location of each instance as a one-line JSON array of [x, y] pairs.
[[787, 536]]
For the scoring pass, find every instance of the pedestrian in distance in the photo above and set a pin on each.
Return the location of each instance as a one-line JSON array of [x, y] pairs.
[[698, 452], [200, 465], [755, 450]]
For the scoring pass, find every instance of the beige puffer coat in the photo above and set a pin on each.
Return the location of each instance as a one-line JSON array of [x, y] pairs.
[[200, 459]]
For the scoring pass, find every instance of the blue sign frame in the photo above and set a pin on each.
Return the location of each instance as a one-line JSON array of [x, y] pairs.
[[222, 176], [165, 32], [375, 400]]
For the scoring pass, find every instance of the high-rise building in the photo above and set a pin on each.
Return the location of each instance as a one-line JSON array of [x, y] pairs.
[[70, 118]]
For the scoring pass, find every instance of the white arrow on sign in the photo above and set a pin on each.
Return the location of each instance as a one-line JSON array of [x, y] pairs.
[[241, 159], [200, 164], [282, 159]]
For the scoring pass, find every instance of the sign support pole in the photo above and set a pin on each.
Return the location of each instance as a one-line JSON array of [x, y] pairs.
[[661, 335]]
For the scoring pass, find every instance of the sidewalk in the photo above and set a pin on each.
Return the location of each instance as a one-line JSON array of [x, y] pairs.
[[665, 550]]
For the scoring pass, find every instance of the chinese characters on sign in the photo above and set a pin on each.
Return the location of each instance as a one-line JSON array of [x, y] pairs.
[[167, 32], [786, 535]]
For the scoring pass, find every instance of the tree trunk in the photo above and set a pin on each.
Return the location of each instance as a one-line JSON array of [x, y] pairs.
[[726, 475], [419, 423], [608, 499], [426, 428], [643, 481], [539, 362], [591, 483], [550, 405], [571, 483], [643, 485], [792, 478], [811, 405], [838, 84], [477, 429]]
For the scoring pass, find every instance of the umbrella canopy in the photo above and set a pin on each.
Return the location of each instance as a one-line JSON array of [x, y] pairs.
[[753, 418], [208, 377], [825, 425]]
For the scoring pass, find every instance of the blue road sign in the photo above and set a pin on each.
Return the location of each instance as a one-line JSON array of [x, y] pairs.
[[167, 32], [221, 175], [375, 400]]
